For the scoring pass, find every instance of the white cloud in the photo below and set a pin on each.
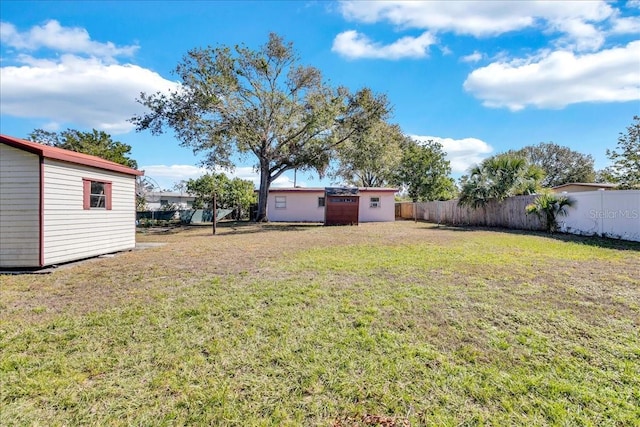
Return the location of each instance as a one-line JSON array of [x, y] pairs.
[[355, 45], [445, 50], [168, 175], [626, 25], [473, 57], [579, 35], [559, 78], [462, 153], [473, 18], [174, 172], [52, 35], [76, 90], [51, 126], [476, 18], [91, 91], [633, 3]]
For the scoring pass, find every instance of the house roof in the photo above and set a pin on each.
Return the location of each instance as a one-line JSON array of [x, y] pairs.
[[322, 189], [171, 194], [56, 153], [585, 184]]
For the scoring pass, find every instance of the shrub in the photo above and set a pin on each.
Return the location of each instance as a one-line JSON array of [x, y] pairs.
[[548, 207]]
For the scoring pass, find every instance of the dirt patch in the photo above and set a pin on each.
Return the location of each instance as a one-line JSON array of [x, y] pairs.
[[186, 255]]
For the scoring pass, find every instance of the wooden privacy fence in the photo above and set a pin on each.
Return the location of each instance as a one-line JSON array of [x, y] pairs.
[[614, 214], [510, 213]]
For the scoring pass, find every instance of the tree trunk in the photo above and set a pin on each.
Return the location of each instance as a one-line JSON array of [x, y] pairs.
[[263, 192]]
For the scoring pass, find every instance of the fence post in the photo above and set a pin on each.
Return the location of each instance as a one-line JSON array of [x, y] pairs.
[[214, 213], [602, 216]]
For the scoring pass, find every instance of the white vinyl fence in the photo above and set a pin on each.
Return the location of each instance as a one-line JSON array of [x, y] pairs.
[[614, 214]]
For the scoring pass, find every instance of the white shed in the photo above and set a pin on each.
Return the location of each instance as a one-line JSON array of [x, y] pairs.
[[58, 205], [309, 204]]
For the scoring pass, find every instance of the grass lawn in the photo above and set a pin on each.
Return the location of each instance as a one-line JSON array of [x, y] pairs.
[[382, 324]]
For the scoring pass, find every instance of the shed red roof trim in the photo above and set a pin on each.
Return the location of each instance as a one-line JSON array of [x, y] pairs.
[[56, 153]]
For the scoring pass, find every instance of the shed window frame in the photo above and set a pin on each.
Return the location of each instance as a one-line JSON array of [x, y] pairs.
[[374, 202], [281, 202], [97, 194]]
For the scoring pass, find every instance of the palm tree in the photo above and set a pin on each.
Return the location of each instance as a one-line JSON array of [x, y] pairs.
[[497, 178], [548, 207]]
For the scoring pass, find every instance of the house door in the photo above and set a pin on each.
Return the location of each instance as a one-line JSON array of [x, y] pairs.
[[341, 210]]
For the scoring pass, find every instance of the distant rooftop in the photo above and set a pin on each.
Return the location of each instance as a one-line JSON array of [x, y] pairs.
[[323, 189], [587, 184], [170, 194]]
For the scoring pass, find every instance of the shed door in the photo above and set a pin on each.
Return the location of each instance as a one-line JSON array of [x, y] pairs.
[[341, 210]]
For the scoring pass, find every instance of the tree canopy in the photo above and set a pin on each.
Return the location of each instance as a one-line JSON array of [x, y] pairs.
[[625, 170], [424, 171], [371, 158], [96, 143], [560, 165], [236, 193], [260, 103], [497, 178]]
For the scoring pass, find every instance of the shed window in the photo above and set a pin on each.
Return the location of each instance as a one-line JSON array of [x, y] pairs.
[[374, 202], [320, 202], [281, 202], [96, 194]]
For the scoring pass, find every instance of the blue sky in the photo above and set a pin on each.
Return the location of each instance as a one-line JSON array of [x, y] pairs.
[[481, 77]]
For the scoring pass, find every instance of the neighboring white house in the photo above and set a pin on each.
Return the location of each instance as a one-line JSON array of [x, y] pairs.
[[576, 187], [58, 205], [163, 199], [309, 204]]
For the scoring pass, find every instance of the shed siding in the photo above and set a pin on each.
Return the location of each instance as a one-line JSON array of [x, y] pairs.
[[19, 208], [71, 232]]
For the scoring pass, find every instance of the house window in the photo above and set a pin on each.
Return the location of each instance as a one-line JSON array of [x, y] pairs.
[[164, 203], [96, 194], [281, 202], [320, 202], [374, 202]]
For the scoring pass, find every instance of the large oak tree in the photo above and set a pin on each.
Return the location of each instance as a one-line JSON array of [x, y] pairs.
[[371, 158], [260, 103], [561, 165], [424, 171]]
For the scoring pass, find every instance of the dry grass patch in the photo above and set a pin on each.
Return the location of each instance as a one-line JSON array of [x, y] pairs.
[[305, 325]]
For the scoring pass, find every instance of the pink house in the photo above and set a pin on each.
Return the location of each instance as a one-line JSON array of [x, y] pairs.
[[331, 205]]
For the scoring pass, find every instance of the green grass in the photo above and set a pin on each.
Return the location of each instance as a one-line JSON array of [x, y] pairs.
[[276, 325]]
